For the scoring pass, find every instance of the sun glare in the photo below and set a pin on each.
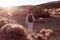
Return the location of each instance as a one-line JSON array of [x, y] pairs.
[[5, 3], [9, 3]]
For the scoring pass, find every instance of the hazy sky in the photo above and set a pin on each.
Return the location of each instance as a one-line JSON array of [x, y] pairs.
[[22, 2]]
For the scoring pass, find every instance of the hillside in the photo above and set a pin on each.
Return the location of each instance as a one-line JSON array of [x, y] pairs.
[[55, 4]]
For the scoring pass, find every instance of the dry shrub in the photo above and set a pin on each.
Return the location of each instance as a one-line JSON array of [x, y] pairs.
[[39, 12], [3, 22], [36, 36], [13, 32], [46, 33]]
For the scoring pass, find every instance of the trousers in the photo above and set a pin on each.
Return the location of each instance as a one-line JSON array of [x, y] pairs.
[[30, 26]]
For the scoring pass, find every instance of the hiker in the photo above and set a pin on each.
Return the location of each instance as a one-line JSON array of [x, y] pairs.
[[29, 20]]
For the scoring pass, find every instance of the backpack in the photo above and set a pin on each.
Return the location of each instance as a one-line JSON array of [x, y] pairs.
[[30, 19]]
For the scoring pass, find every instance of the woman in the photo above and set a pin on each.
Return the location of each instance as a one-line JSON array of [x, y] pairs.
[[29, 20]]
